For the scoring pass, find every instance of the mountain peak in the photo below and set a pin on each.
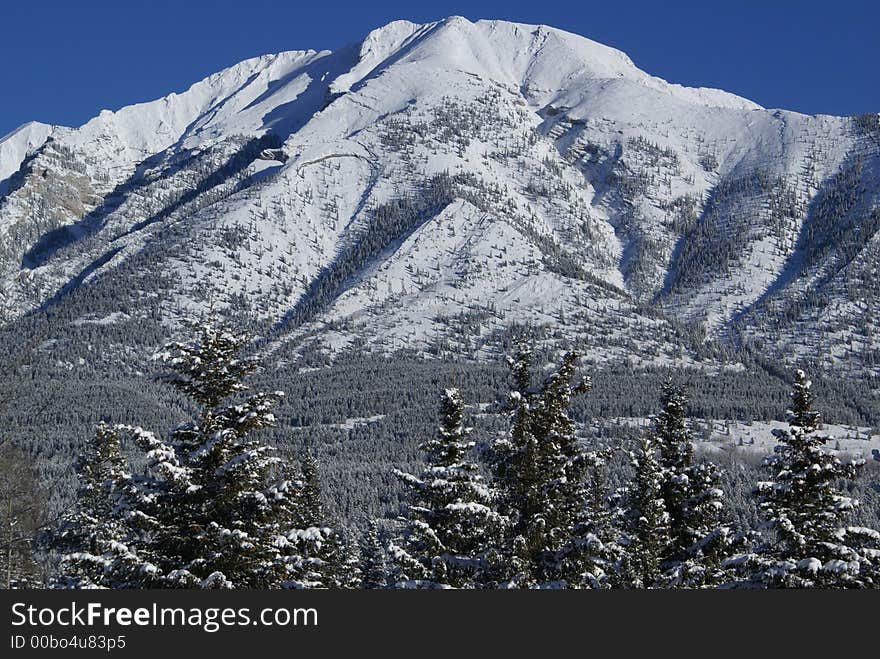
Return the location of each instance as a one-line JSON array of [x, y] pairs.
[[15, 146], [512, 167], [524, 55]]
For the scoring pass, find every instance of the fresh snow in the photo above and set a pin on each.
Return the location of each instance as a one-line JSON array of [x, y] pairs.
[[17, 145], [544, 127]]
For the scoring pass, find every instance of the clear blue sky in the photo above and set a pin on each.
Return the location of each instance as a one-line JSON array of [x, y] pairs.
[[63, 61]]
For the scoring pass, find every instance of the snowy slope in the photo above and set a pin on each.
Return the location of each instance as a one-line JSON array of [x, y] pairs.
[[436, 184], [15, 146]]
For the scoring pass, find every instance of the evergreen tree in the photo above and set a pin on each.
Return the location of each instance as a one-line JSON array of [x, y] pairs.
[[208, 505], [452, 523], [311, 557], [310, 507], [213, 508], [348, 574], [373, 564], [673, 438], [316, 555], [543, 473], [803, 508], [597, 535], [94, 538], [714, 541], [648, 537], [700, 541], [22, 513]]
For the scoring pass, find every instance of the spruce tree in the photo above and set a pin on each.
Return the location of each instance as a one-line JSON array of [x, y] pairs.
[[598, 533], [543, 473], [452, 522], [315, 554], [215, 511], [804, 510], [373, 563], [700, 540], [648, 533], [673, 439], [311, 510], [348, 574], [214, 507], [94, 539], [311, 557]]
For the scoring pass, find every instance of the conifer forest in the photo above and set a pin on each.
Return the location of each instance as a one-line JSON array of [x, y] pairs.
[[530, 501]]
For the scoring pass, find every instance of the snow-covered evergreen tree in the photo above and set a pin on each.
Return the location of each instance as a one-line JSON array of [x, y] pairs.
[[94, 539], [348, 574], [452, 523], [543, 474], [597, 548], [648, 535], [805, 511], [316, 555], [673, 439], [373, 562], [713, 540], [700, 540], [214, 507], [310, 556], [311, 511]]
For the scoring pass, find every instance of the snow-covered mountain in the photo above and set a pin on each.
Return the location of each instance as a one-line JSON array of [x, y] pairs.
[[434, 185]]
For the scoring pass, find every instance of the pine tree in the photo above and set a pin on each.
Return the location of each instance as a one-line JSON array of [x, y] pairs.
[[803, 508], [452, 523], [543, 473], [648, 538]]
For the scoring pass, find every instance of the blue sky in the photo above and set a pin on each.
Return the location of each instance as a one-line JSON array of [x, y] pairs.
[[62, 62]]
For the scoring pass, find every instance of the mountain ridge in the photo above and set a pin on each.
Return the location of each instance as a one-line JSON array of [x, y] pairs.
[[565, 187]]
